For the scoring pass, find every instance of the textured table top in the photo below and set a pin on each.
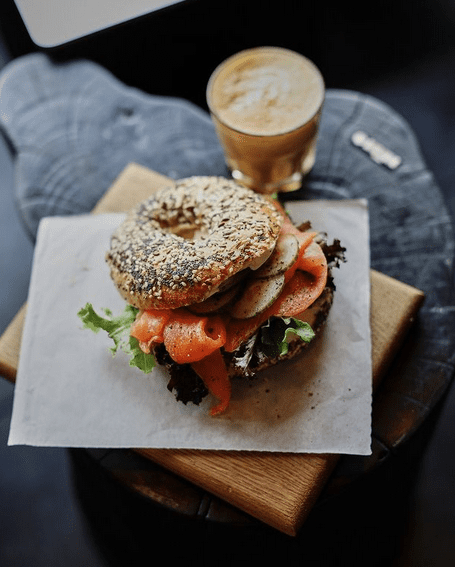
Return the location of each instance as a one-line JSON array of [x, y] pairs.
[[74, 128]]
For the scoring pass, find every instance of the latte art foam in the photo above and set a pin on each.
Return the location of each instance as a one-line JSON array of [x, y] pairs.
[[267, 94]]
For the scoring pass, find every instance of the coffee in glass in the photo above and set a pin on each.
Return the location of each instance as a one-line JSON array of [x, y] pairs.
[[266, 104]]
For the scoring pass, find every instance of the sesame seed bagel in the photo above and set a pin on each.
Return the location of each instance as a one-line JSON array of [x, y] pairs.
[[182, 244]]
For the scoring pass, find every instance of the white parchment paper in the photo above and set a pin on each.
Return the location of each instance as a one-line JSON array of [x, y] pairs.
[[71, 392]]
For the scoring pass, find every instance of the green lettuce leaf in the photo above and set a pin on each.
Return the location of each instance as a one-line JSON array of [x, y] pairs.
[[140, 359], [275, 333], [118, 329]]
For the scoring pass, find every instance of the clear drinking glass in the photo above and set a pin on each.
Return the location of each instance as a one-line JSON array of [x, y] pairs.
[[266, 104]]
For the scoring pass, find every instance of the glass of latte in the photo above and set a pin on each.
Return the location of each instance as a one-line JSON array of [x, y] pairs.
[[266, 103]]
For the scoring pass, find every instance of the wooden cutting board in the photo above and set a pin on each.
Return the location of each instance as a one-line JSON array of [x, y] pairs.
[[277, 488]]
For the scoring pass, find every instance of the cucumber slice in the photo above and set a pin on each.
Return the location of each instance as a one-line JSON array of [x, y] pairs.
[[282, 258], [214, 302], [259, 293]]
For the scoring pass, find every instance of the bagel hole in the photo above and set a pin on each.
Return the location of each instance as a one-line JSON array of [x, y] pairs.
[[188, 231]]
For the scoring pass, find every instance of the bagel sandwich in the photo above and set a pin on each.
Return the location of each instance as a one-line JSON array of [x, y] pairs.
[[219, 284]]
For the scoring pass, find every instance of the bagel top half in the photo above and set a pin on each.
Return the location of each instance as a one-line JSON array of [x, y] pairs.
[[185, 242]]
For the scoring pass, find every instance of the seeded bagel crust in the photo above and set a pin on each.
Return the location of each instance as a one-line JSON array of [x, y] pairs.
[[183, 243]]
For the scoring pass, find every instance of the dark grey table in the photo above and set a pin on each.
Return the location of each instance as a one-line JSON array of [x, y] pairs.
[[74, 127]]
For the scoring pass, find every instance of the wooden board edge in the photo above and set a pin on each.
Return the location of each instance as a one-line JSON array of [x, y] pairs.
[[213, 471], [408, 300], [10, 344]]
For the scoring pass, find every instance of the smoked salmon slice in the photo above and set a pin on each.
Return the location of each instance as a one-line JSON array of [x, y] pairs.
[[149, 326], [193, 339], [313, 261], [190, 338], [212, 370], [187, 337]]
